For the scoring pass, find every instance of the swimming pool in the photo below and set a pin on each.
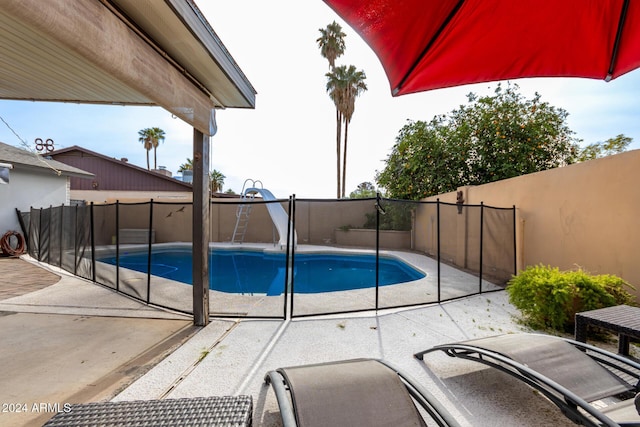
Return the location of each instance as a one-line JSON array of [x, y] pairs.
[[260, 272]]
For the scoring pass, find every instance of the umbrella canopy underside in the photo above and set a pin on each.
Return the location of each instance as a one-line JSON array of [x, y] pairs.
[[425, 45]]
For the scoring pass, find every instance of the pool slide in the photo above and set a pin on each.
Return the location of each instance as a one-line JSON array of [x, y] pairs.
[[278, 214]]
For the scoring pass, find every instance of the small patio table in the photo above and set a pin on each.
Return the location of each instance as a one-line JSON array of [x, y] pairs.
[[218, 411], [621, 319]]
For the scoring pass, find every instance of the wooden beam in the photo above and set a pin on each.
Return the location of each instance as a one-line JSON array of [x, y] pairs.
[[96, 35], [200, 248]]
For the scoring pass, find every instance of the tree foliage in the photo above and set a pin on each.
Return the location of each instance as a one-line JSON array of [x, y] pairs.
[[488, 139], [151, 138], [187, 166], [216, 178], [331, 42], [365, 190], [611, 146]]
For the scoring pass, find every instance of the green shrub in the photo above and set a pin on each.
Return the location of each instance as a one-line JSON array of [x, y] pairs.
[[549, 298], [397, 217]]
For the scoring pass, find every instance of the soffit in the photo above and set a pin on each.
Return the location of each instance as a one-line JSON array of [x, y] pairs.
[[180, 29], [36, 64], [35, 67]]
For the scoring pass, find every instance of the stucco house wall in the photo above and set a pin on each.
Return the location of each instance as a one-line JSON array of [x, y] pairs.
[[33, 182], [30, 189]]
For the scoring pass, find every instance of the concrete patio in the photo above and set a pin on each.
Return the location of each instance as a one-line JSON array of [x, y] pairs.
[[230, 357]]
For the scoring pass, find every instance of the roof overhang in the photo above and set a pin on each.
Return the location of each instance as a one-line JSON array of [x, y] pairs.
[[129, 52]]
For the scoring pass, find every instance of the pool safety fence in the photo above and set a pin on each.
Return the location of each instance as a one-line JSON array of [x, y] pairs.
[[462, 250]]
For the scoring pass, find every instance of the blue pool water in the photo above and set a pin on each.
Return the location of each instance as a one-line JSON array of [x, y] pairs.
[[257, 272]]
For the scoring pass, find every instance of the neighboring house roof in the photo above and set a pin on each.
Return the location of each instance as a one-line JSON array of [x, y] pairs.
[[114, 174], [21, 158]]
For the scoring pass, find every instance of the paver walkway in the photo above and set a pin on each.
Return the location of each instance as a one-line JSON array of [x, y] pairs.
[[19, 277]]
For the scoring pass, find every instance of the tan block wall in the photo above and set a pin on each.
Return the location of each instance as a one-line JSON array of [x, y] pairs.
[[131, 196], [584, 215]]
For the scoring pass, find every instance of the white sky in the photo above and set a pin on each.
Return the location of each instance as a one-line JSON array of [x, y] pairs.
[[288, 141]]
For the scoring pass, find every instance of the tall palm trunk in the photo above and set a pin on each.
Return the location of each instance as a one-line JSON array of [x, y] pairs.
[[344, 157], [338, 143]]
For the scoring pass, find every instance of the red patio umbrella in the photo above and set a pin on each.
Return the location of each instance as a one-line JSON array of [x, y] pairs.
[[430, 44]]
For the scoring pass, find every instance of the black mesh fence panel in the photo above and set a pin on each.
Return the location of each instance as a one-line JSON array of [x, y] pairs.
[[425, 228], [248, 257], [278, 258], [407, 276], [104, 239], [477, 251], [454, 282], [425, 243], [55, 236], [223, 222], [460, 245], [68, 239], [334, 261], [171, 276], [135, 235], [24, 218], [83, 253], [499, 258], [465, 275], [34, 233], [65, 244], [44, 235]]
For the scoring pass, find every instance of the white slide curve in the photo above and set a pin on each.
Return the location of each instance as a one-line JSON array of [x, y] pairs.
[[278, 215]]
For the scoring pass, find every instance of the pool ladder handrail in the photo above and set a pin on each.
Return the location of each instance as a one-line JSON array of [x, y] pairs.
[[243, 211]]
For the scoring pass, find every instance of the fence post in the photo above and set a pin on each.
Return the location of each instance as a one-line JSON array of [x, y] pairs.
[[93, 245], [30, 237], [378, 207], [438, 242], [289, 256], [149, 248], [49, 232], [117, 245], [40, 235], [481, 242], [61, 232], [515, 245], [75, 240]]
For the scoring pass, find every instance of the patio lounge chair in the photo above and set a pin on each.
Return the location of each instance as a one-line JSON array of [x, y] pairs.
[[591, 386], [359, 392]]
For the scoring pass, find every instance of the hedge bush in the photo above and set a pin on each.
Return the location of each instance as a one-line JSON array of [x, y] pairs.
[[549, 298]]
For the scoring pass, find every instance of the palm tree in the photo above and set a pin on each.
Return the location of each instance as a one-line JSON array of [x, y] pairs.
[[187, 166], [331, 42], [145, 136], [217, 181], [344, 85], [354, 86], [151, 138], [336, 90], [332, 45], [158, 137]]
